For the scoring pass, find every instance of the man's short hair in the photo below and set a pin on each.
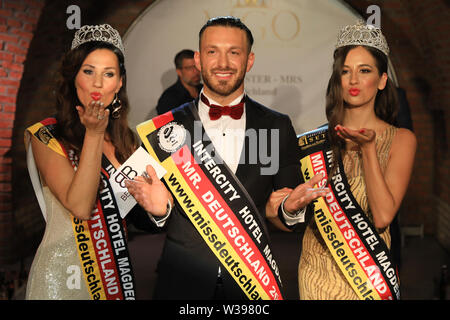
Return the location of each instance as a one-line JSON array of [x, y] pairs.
[[180, 56], [228, 21]]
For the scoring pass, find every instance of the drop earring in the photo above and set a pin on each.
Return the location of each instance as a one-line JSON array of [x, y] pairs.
[[116, 105]]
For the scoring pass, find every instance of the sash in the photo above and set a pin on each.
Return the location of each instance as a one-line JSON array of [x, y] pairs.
[[214, 200], [353, 241], [101, 241]]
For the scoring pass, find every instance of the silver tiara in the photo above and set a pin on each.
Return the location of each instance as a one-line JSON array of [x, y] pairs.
[[361, 34], [102, 32]]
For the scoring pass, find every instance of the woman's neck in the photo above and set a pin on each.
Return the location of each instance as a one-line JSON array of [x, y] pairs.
[[360, 117]]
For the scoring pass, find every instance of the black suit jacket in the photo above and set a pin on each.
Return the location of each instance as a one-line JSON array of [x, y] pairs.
[[187, 268], [174, 96]]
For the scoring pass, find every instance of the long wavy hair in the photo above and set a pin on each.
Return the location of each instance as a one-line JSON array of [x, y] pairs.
[[70, 130], [386, 102]]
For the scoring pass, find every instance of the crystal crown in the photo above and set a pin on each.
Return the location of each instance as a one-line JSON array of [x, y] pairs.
[[102, 32], [361, 34]]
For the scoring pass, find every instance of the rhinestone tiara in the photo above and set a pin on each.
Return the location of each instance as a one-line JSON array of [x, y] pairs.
[[361, 34], [101, 32]]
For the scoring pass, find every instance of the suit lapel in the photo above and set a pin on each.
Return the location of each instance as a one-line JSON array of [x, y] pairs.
[[244, 169]]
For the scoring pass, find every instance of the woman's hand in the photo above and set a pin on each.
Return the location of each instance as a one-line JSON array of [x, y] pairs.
[[362, 137], [150, 192], [385, 190], [94, 116]]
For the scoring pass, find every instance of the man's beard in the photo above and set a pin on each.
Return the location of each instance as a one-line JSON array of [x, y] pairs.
[[224, 88]]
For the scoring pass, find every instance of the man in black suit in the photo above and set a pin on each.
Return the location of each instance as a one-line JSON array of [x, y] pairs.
[[259, 147], [187, 86]]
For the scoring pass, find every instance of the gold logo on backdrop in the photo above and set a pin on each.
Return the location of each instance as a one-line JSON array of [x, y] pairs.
[[267, 19], [285, 14], [251, 3]]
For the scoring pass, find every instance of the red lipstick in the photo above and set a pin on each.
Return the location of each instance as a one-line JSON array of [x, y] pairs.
[[96, 95], [354, 92]]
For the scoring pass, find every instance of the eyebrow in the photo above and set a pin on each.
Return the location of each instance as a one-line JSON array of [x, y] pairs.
[[213, 46], [93, 67], [360, 65]]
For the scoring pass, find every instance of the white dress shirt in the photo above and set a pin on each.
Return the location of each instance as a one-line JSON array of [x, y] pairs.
[[226, 133]]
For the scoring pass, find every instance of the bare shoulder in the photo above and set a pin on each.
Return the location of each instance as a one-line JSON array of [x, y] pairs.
[[404, 135], [404, 140]]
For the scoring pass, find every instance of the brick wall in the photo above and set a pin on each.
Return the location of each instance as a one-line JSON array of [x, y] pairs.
[[18, 20], [416, 31]]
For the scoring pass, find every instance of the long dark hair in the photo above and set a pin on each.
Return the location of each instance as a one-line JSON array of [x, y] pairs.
[[386, 103], [70, 130]]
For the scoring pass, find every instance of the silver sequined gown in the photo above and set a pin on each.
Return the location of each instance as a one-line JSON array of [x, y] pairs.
[[56, 272]]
